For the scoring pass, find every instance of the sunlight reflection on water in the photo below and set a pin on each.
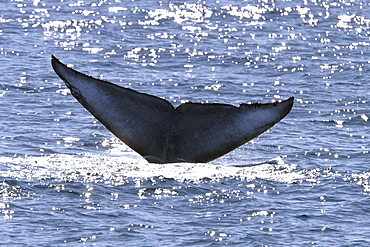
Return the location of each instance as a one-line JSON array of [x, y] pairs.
[[62, 170]]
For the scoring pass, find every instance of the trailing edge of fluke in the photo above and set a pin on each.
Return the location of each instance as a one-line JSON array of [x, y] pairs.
[[151, 126]]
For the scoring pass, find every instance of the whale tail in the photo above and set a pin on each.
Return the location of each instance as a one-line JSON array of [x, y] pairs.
[[151, 126]]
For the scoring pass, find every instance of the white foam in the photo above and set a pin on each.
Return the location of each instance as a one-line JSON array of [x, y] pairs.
[[108, 168]]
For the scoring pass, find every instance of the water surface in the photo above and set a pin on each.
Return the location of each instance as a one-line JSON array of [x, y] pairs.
[[67, 181]]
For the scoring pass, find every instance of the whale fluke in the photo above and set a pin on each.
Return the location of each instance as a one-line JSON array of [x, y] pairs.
[[151, 126]]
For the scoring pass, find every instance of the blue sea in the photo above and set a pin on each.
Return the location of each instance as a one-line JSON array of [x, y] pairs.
[[65, 180]]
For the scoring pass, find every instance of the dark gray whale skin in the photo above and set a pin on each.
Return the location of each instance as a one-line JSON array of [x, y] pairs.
[[151, 126]]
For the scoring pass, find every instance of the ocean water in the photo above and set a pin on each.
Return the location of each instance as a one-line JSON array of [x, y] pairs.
[[67, 181]]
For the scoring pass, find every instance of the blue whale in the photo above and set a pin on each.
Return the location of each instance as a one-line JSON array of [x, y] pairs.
[[161, 133]]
